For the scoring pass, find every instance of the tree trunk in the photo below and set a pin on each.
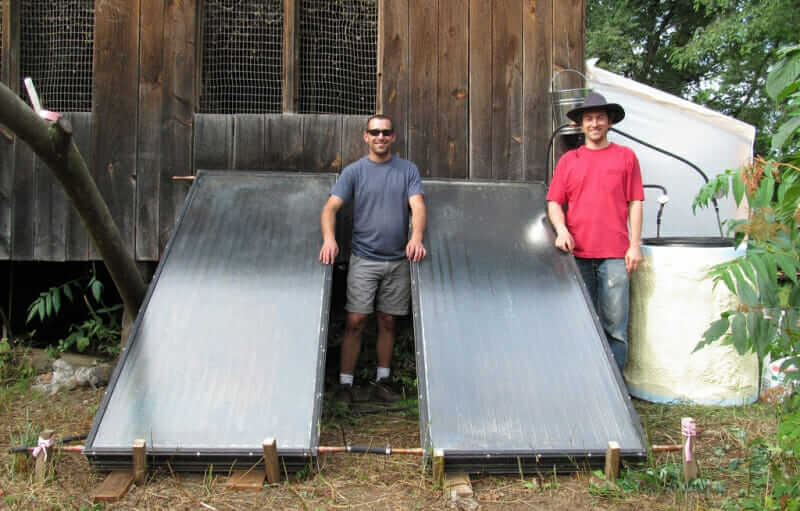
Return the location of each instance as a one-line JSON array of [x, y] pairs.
[[52, 142]]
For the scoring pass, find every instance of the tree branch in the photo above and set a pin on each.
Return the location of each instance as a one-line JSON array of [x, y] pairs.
[[52, 142]]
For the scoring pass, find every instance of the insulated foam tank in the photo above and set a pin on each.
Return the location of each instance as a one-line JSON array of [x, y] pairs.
[[672, 304]]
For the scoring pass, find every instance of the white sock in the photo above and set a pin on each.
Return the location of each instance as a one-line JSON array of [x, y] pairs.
[[383, 372], [345, 379]]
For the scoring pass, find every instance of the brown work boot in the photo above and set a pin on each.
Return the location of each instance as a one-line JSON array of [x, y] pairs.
[[382, 392], [343, 394]]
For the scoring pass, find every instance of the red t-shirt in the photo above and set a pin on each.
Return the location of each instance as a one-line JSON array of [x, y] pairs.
[[597, 186]]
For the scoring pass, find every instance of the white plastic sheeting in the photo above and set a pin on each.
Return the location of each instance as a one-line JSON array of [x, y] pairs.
[[710, 140]]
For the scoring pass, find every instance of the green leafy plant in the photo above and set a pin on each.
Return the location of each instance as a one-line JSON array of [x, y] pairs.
[[14, 364], [765, 279], [99, 332], [765, 282]]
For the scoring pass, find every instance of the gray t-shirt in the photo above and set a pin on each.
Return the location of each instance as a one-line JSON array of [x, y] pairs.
[[380, 193]]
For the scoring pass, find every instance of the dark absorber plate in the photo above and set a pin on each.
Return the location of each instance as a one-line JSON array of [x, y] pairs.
[[229, 346], [514, 372]]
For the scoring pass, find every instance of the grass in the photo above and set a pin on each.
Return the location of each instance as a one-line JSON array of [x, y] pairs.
[[727, 459], [361, 481]]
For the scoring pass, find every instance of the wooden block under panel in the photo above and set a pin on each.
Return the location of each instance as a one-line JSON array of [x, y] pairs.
[[252, 480], [114, 487]]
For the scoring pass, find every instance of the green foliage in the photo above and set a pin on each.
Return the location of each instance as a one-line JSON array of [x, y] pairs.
[[14, 365], [712, 52], [765, 279], [651, 480], [98, 333], [772, 481]]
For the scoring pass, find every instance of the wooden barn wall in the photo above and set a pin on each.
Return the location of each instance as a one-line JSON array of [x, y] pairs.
[[466, 81], [469, 81]]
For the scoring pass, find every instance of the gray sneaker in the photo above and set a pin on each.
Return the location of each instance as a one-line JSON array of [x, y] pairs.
[[382, 392]]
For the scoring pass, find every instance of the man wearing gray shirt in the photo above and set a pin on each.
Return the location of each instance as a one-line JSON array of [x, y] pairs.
[[383, 188]]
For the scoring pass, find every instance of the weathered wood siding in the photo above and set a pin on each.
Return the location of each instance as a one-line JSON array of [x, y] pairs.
[[466, 82]]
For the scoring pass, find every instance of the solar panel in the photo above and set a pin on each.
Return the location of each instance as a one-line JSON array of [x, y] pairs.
[[229, 346], [513, 369]]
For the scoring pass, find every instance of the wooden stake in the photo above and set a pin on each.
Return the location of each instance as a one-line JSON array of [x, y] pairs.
[[612, 461], [689, 431], [139, 461], [40, 469], [438, 467], [271, 466]]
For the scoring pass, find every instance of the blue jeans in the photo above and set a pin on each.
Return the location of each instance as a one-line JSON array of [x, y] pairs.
[[608, 283]]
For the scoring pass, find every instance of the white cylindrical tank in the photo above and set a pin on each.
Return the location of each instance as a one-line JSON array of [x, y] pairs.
[[672, 304]]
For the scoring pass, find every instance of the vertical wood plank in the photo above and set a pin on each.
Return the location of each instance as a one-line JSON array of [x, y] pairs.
[[507, 90], [568, 50], [480, 88], [51, 206], [248, 141], [9, 67], [9, 75], [284, 142], [6, 191], [423, 83], [452, 93], [322, 143], [537, 117], [379, 58], [290, 71], [569, 21], [115, 104], [213, 141], [180, 84], [23, 203], [77, 243], [353, 146], [394, 70], [150, 128]]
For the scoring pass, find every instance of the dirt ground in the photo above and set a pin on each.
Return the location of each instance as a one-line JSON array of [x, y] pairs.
[[344, 481]]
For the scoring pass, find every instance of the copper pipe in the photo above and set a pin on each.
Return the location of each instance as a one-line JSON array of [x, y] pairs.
[[666, 448]]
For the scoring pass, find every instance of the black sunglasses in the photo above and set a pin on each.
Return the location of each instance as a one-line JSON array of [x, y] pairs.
[[385, 133]]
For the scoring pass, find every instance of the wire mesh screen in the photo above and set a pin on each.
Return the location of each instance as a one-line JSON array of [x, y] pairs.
[[242, 41], [338, 48], [56, 42]]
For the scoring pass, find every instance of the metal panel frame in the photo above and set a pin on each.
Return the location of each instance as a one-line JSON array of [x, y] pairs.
[[513, 461], [104, 458]]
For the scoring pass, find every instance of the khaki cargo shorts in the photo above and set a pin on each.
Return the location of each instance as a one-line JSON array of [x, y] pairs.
[[378, 285]]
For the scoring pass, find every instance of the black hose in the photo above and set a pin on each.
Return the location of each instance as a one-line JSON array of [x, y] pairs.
[[684, 160], [23, 448], [660, 207], [550, 151], [368, 449]]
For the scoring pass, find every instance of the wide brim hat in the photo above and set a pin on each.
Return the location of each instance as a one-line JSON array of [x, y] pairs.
[[595, 101]]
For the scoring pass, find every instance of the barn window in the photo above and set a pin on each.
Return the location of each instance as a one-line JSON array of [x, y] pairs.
[[241, 56], [56, 41], [338, 56], [270, 56]]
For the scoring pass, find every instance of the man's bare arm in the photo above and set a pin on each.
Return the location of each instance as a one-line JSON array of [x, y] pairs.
[[633, 256], [415, 250], [327, 222], [564, 239]]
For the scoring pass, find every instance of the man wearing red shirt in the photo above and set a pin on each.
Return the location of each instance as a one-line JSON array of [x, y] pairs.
[[601, 185]]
